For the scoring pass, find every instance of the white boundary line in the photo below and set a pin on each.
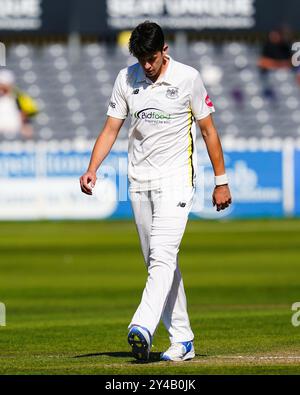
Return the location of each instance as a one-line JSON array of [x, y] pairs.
[[255, 358]]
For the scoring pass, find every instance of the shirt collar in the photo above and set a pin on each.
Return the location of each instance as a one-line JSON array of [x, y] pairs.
[[165, 78]]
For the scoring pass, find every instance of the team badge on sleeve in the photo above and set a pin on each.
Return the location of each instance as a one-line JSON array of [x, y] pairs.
[[172, 92], [208, 101]]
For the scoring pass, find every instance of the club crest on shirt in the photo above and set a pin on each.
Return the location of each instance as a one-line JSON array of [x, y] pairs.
[[172, 92]]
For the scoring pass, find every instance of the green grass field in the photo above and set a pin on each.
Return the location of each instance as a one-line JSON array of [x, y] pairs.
[[70, 289]]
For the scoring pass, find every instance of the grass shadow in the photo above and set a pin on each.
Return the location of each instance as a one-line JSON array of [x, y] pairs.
[[154, 356], [108, 354]]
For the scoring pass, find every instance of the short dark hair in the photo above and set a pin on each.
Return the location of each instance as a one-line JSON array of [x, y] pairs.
[[146, 39]]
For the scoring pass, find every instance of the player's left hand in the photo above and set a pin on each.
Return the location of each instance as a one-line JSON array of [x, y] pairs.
[[221, 197]]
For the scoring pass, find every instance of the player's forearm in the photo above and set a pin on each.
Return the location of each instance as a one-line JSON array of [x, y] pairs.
[[101, 149], [214, 149]]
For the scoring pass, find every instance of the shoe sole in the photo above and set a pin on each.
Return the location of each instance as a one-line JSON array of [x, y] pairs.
[[140, 348]]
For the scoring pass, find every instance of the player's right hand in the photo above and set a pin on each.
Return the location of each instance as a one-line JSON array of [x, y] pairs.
[[87, 182]]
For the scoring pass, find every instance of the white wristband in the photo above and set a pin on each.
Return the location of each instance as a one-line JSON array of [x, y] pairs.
[[221, 180]]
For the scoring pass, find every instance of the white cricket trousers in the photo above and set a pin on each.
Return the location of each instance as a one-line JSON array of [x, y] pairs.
[[161, 216]]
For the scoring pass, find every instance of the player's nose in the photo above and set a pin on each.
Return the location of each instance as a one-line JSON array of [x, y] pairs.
[[147, 66]]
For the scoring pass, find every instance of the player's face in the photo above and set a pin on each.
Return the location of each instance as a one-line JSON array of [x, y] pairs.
[[153, 64]]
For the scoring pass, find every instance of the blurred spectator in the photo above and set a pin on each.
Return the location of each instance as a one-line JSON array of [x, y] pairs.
[[16, 108], [276, 54]]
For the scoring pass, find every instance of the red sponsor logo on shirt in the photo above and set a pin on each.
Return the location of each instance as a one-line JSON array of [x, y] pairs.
[[208, 101]]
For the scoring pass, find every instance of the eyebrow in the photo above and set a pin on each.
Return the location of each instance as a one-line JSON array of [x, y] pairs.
[[148, 57]]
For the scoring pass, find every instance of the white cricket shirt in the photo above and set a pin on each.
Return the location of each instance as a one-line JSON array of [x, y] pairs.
[[162, 133], [10, 116]]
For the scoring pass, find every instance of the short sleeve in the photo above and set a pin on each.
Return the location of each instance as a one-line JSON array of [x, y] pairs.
[[117, 106], [201, 103]]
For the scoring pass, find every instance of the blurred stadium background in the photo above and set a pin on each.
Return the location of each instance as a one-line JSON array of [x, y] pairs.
[[69, 285]]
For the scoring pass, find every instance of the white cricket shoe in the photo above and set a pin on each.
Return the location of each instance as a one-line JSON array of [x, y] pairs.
[[140, 340], [179, 352]]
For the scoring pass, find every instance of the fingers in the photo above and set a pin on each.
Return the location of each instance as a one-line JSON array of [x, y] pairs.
[[222, 206], [213, 201], [221, 198], [84, 186], [221, 203], [87, 182]]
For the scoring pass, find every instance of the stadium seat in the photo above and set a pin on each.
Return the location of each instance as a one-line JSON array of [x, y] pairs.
[[73, 97]]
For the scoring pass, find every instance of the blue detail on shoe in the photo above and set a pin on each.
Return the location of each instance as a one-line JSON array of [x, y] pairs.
[[164, 357], [188, 346], [184, 353], [139, 344], [145, 329]]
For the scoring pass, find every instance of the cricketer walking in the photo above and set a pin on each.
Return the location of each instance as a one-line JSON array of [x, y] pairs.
[[165, 100]]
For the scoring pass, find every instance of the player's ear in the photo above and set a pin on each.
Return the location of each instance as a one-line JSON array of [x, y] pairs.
[[165, 49]]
